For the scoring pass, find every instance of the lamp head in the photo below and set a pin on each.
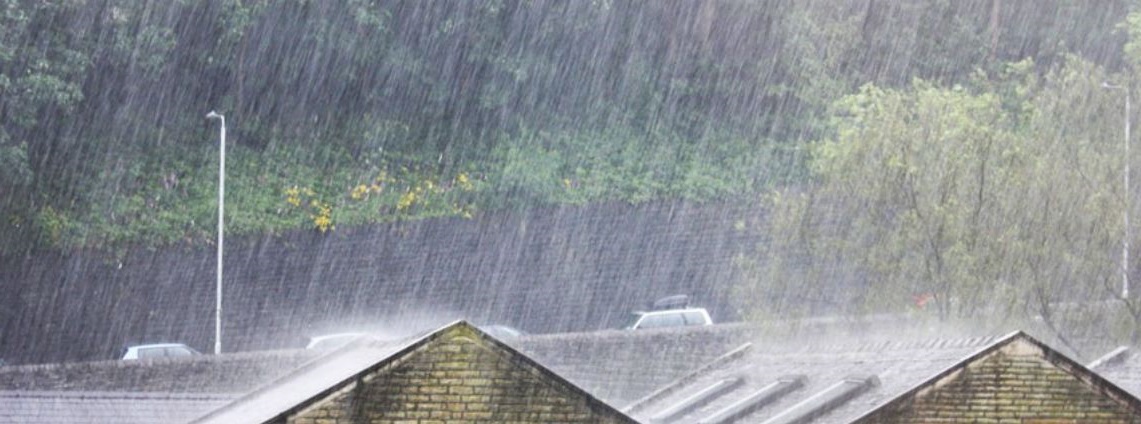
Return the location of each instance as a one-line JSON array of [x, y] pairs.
[[213, 115]]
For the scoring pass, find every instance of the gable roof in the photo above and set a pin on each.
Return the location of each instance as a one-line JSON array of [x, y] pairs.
[[312, 379], [817, 383], [328, 374], [1016, 344]]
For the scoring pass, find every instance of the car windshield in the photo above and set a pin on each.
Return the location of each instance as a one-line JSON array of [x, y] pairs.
[[631, 320]]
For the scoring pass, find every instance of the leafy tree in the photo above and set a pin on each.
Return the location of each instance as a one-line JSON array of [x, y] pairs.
[[999, 201]]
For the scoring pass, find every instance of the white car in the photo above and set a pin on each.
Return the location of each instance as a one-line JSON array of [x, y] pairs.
[[158, 350], [330, 341], [641, 320], [502, 332], [670, 311]]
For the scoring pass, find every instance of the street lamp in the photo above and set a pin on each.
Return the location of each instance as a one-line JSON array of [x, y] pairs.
[[221, 224], [1125, 236]]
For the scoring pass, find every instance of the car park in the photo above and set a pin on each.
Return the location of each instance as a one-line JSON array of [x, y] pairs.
[[158, 350], [672, 311]]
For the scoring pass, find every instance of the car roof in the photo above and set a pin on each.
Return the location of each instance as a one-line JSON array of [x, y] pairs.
[[334, 336], [667, 311], [150, 345]]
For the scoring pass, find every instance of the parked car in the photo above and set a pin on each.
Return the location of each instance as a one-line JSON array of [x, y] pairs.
[[502, 332], [332, 341], [158, 350], [672, 311]]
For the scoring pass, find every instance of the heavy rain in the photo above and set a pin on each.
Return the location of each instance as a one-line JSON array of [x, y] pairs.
[[243, 176]]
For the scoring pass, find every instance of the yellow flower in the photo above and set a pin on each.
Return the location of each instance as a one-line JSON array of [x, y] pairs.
[[406, 200], [464, 182], [359, 192], [323, 220], [293, 196]]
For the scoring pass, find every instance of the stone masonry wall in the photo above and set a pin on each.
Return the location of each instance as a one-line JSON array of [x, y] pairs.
[[1010, 387], [458, 379]]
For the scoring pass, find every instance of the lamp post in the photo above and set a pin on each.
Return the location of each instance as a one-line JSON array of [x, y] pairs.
[[1125, 235], [221, 224]]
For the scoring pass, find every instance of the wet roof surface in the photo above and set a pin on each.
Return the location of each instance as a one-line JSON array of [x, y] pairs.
[[228, 373], [898, 367], [184, 388], [1125, 372], [33, 407], [301, 384]]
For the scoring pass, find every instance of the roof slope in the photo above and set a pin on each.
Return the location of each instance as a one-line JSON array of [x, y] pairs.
[[1017, 377], [803, 377], [1124, 370], [35, 407], [228, 373], [303, 383]]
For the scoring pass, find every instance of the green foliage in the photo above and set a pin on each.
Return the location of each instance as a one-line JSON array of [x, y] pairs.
[[102, 140], [984, 205]]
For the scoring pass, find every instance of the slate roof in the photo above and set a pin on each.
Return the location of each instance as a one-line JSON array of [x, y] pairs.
[[621, 366], [890, 367], [227, 373], [169, 390], [56, 407], [311, 379], [1121, 367]]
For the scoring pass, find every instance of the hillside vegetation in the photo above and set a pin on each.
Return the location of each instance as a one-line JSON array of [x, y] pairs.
[[958, 155], [344, 113]]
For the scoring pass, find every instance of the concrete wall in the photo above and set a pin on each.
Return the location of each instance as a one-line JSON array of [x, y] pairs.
[[550, 270]]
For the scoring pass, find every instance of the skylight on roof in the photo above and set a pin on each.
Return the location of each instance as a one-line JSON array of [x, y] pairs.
[[697, 400], [827, 400], [767, 395]]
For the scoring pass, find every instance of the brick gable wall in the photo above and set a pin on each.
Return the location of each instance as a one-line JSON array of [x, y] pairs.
[[1012, 385], [460, 379]]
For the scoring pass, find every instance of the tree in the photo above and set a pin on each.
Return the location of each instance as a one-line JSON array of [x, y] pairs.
[[998, 201]]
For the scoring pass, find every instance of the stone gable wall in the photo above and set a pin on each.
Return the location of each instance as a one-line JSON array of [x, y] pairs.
[[457, 380], [1010, 388]]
